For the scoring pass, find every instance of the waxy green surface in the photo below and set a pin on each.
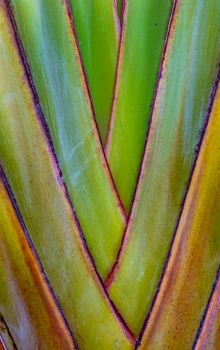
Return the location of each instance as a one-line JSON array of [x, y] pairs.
[[194, 259], [144, 27], [36, 184], [50, 47], [24, 294], [188, 74], [97, 30]]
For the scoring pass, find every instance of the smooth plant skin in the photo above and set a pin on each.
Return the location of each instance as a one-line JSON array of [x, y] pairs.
[[144, 27], [209, 337], [179, 114], [24, 294], [188, 278], [109, 174], [32, 172], [97, 30], [55, 67]]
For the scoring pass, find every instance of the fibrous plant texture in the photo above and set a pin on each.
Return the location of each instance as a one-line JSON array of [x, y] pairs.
[[109, 174]]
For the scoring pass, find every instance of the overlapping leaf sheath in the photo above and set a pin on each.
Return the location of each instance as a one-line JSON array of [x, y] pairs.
[[26, 302], [119, 5], [209, 332], [33, 174], [188, 73], [47, 35], [195, 255], [97, 28], [6, 340], [144, 30]]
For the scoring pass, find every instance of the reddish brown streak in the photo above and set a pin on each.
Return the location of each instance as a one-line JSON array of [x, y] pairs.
[[117, 17], [126, 235], [117, 77], [210, 313], [209, 109], [2, 343], [95, 125], [33, 250], [46, 132]]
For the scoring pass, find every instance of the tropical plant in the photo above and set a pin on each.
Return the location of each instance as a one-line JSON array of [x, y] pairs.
[[109, 174]]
